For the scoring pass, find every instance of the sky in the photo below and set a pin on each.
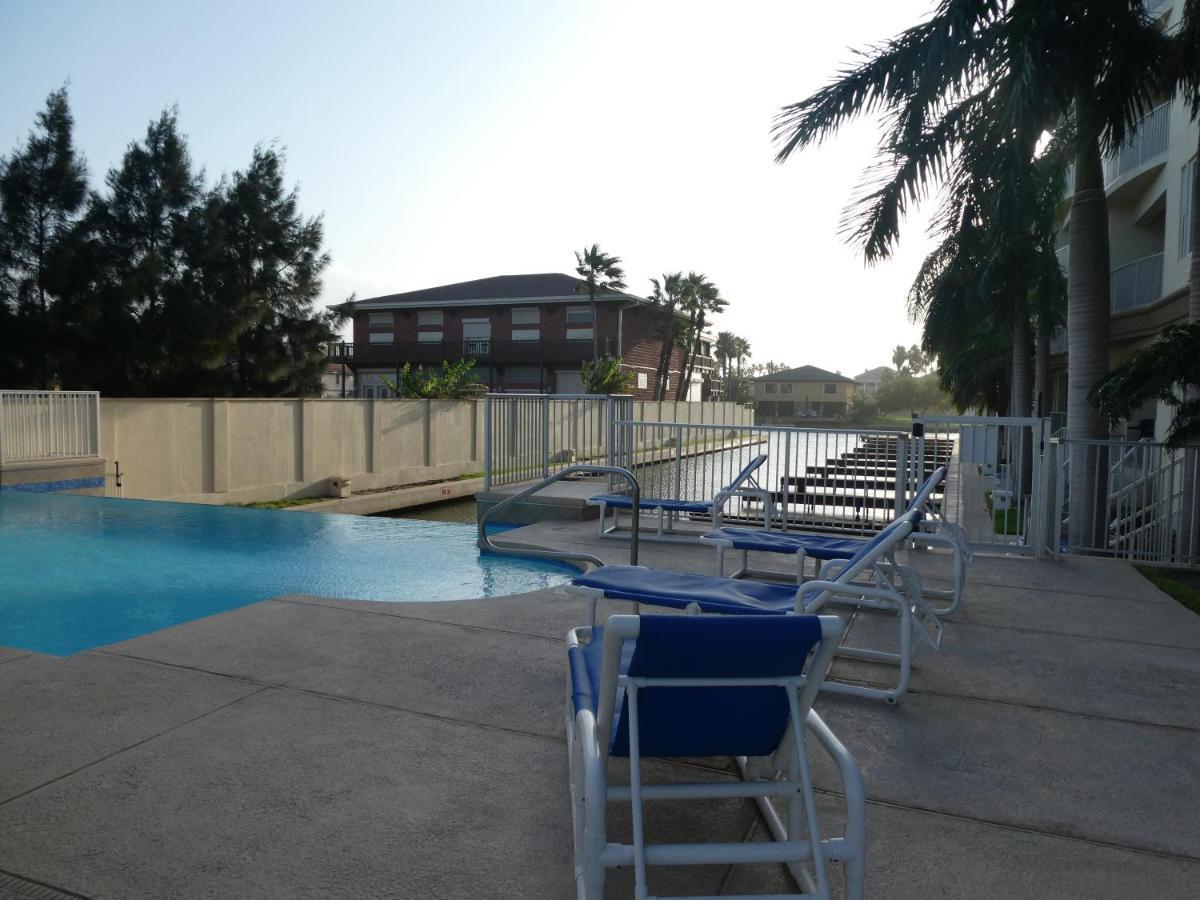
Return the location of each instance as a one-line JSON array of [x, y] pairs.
[[446, 140]]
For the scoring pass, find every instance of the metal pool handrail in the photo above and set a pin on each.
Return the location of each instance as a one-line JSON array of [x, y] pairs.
[[485, 542]]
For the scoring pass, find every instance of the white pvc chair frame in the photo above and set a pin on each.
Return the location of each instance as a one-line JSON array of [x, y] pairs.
[[746, 486], [934, 530], [588, 742], [919, 626]]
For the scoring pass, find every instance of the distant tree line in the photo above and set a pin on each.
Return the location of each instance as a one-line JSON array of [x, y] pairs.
[[156, 283]]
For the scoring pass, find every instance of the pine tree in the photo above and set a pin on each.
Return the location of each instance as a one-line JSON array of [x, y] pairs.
[[43, 186]]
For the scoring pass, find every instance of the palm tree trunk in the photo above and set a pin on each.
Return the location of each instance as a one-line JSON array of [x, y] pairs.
[[595, 324], [1041, 369], [690, 362], [1088, 309], [680, 388], [664, 355], [1022, 351], [1189, 530]]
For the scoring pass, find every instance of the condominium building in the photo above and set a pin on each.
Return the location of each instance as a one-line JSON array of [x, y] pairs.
[[527, 333], [1149, 188]]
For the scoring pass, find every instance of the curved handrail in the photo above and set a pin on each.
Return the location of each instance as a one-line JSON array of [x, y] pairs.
[[485, 542]]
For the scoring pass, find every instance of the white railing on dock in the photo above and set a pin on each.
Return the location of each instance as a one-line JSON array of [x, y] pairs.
[[846, 480], [49, 425]]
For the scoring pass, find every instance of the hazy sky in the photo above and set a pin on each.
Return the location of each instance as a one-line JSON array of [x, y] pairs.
[[445, 141]]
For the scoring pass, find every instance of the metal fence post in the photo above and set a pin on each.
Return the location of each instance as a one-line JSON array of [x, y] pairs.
[[487, 443], [902, 462], [545, 435]]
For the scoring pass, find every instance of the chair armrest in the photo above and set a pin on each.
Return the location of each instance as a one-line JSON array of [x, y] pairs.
[[724, 497], [853, 789]]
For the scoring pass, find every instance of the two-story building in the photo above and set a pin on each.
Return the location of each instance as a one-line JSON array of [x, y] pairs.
[[871, 380], [1148, 184], [804, 391], [528, 333]]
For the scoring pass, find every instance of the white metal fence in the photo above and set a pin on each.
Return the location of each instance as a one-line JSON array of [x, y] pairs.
[[529, 436], [845, 480], [48, 425], [1143, 505], [995, 486]]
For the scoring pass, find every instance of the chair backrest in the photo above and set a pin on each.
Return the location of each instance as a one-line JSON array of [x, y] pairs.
[[720, 720], [925, 491], [747, 470]]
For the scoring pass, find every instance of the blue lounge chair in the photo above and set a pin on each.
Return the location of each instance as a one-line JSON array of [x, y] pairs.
[[698, 686], [742, 485], [933, 530], [715, 594]]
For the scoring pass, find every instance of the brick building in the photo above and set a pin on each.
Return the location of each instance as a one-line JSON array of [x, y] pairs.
[[525, 333]]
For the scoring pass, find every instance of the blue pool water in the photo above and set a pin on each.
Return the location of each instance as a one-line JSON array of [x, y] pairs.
[[78, 572]]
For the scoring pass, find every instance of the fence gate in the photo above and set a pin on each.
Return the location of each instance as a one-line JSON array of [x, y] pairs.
[[996, 477]]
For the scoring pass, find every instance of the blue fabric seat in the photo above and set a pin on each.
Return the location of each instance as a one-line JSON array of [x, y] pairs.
[[680, 590], [701, 721]]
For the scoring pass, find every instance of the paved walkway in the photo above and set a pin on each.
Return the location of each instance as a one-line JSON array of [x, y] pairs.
[[316, 748]]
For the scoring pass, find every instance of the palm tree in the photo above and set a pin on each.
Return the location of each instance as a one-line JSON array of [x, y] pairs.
[[666, 296], [726, 351], [963, 91], [741, 353], [708, 301], [601, 274], [899, 357]]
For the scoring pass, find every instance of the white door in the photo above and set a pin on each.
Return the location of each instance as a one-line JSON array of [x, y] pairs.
[[568, 382]]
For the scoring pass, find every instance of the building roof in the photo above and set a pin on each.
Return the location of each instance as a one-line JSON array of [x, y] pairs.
[[805, 373], [876, 372], [538, 288]]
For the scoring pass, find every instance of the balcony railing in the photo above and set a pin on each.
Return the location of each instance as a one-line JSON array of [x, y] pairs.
[[1146, 143], [1138, 283], [482, 350]]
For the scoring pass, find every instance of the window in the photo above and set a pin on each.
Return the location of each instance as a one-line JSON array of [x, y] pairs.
[[523, 374], [431, 318], [831, 389], [579, 315], [785, 389], [772, 387], [429, 337], [529, 315], [643, 380], [526, 334], [380, 337], [1186, 211], [381, 320], [579, 334]]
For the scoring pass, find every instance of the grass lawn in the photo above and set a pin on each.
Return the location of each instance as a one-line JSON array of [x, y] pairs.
[[1182, 584], [282, 504]]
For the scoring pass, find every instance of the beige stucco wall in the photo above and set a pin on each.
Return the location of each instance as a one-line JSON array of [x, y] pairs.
[[236, 451]]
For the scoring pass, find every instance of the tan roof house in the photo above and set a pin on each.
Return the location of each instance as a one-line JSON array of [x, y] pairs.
[[803, 391]]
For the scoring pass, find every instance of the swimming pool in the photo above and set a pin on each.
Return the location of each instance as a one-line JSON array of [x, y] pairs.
[[79, 572]]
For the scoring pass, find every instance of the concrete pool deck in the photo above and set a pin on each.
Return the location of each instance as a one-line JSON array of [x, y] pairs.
[[302, 747]]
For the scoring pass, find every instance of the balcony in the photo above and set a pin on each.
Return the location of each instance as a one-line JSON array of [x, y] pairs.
[[1146, 144], [482, 350], [1137, 284]]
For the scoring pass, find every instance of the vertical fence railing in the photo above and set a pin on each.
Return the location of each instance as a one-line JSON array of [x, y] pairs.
[[843, 480], [48, 425], [531, 436], [995, 489], [1143, 503]]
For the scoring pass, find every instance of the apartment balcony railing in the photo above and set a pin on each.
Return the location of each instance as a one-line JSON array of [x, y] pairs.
[[1138, 283], [1058, 341], [1147, 143], [482, 350], [1153, 6]]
